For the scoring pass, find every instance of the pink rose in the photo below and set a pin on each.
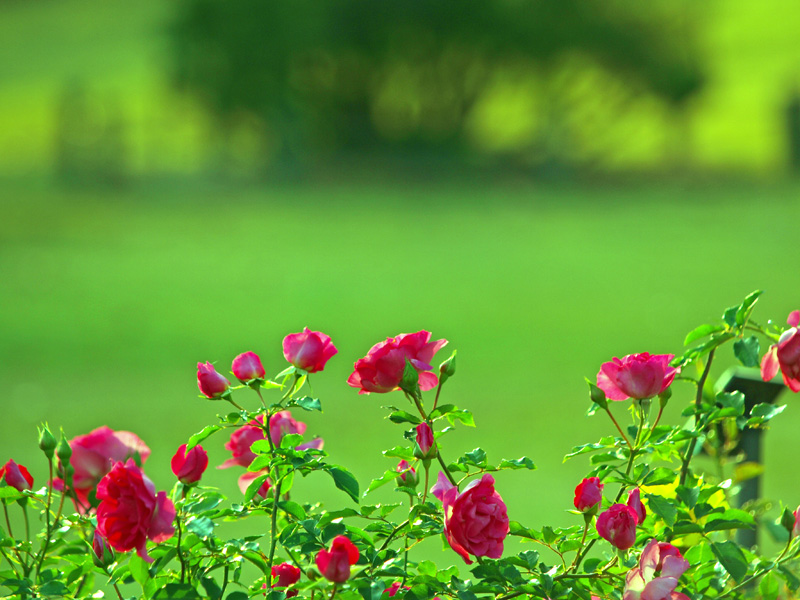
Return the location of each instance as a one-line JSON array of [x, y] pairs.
[[16, 476], [425, 441], [308, 350], [334, 564], [656, 577], [189, 466], [248, 477], [240, 443], [131, 512], [95, 453], [247, 366], [316, 444], [282, 423], [394, 588], [588, 495], [406, 474], [786, 355], [211, 383], [618, 526], [635, 502], [475, 521], [381, 370], [636, 376], [284, 575]]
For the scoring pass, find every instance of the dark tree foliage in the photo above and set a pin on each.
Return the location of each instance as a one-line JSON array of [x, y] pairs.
[[364, 74]]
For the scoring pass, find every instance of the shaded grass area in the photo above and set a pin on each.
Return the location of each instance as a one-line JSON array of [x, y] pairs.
[[109, 302]]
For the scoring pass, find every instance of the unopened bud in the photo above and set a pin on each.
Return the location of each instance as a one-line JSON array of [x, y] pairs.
[[63, 449], [406, 475], [47, 441], [425, 448], [410, 381], [448, 368]]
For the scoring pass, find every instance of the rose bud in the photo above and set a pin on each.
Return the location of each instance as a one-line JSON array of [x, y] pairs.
[[189, 466], [785, 355], [334, 564], [618, 526], [636, 376], [425, 447], [635, 502], [247, 366], [406, 474], [308, 350], [47, 441], [284, 575], [103, 554], [16, 476], [589, 495], [212, 384]]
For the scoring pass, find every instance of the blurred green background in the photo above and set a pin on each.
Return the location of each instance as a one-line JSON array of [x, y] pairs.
[[546, 185]]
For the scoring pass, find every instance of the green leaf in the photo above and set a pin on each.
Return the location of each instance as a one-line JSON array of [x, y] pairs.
[[660, 476], [688, 495], [402, 416], [701, 332], [237, 596], [731, 558], [139, 569], [403, 452], [476, 457], [517, 463], [789, 577], [389, 475], [309, 403], [344, 480], [516, 528], [177, 591], [761, 413], [292, 508], [768, 587], [201, 435], [201, 526], [729, 316], [252, 489], [746, 307], [10, 493], [462, 415], [663, 508], [747, 351]]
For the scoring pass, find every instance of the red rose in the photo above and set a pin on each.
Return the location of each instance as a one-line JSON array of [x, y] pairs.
[[131, 512], [211, 383], [381, 370], [334, 564], [636, 376], [588, 495], [286, 574], [475, 521], [635, 502], [425, 442], [240, 443], [95, 453], [394, 588], [247, 366], [618, 526], [308, 350], [786, 355], [189, 466], [16, 476]]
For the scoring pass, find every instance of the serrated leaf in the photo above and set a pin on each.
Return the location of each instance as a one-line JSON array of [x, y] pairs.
[[761, 413], [403, 452], [516, 528], [344, 480], [746, 307], [309, 403], [462, 415], [252, 489], [139, 569], [747, 351], [701, 332], [389, 475], [768, 587], [201, 435], [731, 558], [517, 463], [201, 526], [729, 316], [401, 416], [293, 508]]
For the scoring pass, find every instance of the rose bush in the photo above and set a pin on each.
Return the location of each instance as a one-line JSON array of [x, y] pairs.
[[649, 524]]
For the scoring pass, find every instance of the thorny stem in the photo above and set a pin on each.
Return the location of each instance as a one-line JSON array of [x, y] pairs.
[[583, 540], [658, 417], [119, 594], [274, 530], [698, 401], [436, 399], [392, 534], [27, 523]]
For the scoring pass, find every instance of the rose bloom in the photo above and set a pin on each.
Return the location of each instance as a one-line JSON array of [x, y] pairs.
[[656, 577], [618, 526], [131, 512], [785, 355], [240, 443], [636, 376], [188, 467], [284, 575], [308, 350], [476, 520], [282, 423], [212, 384], [334, 564], [94, 454], [381, 370], [247, 366], [588, 494], [16, 476]]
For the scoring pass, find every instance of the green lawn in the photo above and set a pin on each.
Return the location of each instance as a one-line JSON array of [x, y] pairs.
[[109, 302]]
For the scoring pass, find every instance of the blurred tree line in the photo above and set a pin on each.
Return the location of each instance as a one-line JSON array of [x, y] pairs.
[[289, 80]]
